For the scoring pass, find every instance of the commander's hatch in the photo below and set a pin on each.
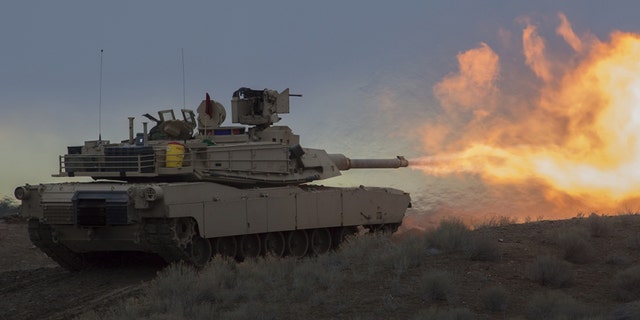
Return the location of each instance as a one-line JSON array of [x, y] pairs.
[[168, 115], [168, 127]]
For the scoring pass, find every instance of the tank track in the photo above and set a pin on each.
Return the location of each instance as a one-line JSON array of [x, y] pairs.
[[161, 236], [171, 239], [41, 236]]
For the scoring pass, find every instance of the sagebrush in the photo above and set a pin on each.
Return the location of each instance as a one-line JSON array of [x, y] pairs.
[[550, 271], [451, 235], [495, 298], [556, 305], [575, 246], [627, 284]]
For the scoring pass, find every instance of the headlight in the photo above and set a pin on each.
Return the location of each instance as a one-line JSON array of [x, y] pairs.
[[21, 193], [152, 193]]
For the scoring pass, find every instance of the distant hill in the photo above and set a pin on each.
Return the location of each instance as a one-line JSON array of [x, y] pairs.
[[8, 206]]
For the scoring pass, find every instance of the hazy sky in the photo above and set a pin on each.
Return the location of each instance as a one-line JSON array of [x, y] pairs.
[[341, 55]]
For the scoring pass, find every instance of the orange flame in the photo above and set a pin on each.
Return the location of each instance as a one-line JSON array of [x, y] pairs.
[[577, 133]]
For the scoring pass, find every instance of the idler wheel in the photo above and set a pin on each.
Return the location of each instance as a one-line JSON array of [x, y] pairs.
[[298, 243], [227, 247], [199, 251], [274, 244], [250, 246], [320, 241]]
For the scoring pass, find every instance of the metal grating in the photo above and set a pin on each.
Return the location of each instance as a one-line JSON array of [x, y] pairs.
[[100, 208], [58, 213]]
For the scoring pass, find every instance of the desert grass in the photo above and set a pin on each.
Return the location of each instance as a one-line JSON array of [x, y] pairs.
[[403, 273], [599, 226], [575, 246], [226, 289], [618, 260], [626, 284], [446, 314], [406, 254], [481, 248], [181, 292], [556, 305], [495, 298], [436, 285], [629, 310], [451, 235], [634, 241], [496, 221], [550, 271]]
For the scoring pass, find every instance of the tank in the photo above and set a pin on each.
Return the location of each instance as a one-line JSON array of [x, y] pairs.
[[189, 189]]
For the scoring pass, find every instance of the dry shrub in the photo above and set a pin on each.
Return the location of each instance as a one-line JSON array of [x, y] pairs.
[[225, 289], [599, 226], [406, 253], [436, 285], [390, 303], [634, 241], [357, 258], [439, 314], [575, 246], [451, 235], [357, 250], [178, 292], [550, 271], [618, 260], [314, 279], [497, 221], [627, 311], [252, 310], [627, 284], [483, 249], [495, 298], [556, 305]]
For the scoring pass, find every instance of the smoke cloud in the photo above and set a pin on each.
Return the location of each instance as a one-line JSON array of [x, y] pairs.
[[566, 143]]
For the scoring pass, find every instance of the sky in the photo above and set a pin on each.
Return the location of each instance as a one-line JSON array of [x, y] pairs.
[[345, 57]]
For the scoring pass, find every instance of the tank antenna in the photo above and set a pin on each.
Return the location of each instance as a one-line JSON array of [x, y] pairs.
[[184, 104], [100, 102]]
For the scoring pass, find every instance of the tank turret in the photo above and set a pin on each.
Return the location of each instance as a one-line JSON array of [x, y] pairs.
[[257, 152]]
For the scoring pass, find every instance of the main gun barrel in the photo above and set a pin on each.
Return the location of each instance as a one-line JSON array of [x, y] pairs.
[[344, 163]]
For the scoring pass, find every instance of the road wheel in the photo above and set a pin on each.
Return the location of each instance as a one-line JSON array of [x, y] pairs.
[[320, 241], [274, 244], [250, 246], [199, 251], [227, 247], [297, 243]]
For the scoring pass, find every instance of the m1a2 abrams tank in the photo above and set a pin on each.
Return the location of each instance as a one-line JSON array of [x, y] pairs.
[[188, 189]]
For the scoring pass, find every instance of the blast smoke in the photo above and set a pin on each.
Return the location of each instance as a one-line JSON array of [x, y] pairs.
[[569, 139]]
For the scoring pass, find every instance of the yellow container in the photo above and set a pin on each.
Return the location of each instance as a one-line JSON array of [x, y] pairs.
[[175, 155]]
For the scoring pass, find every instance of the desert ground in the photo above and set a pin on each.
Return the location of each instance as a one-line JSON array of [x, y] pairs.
[[585, 267]]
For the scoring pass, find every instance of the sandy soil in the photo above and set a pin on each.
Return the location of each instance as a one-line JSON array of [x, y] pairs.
[[32, 286]]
